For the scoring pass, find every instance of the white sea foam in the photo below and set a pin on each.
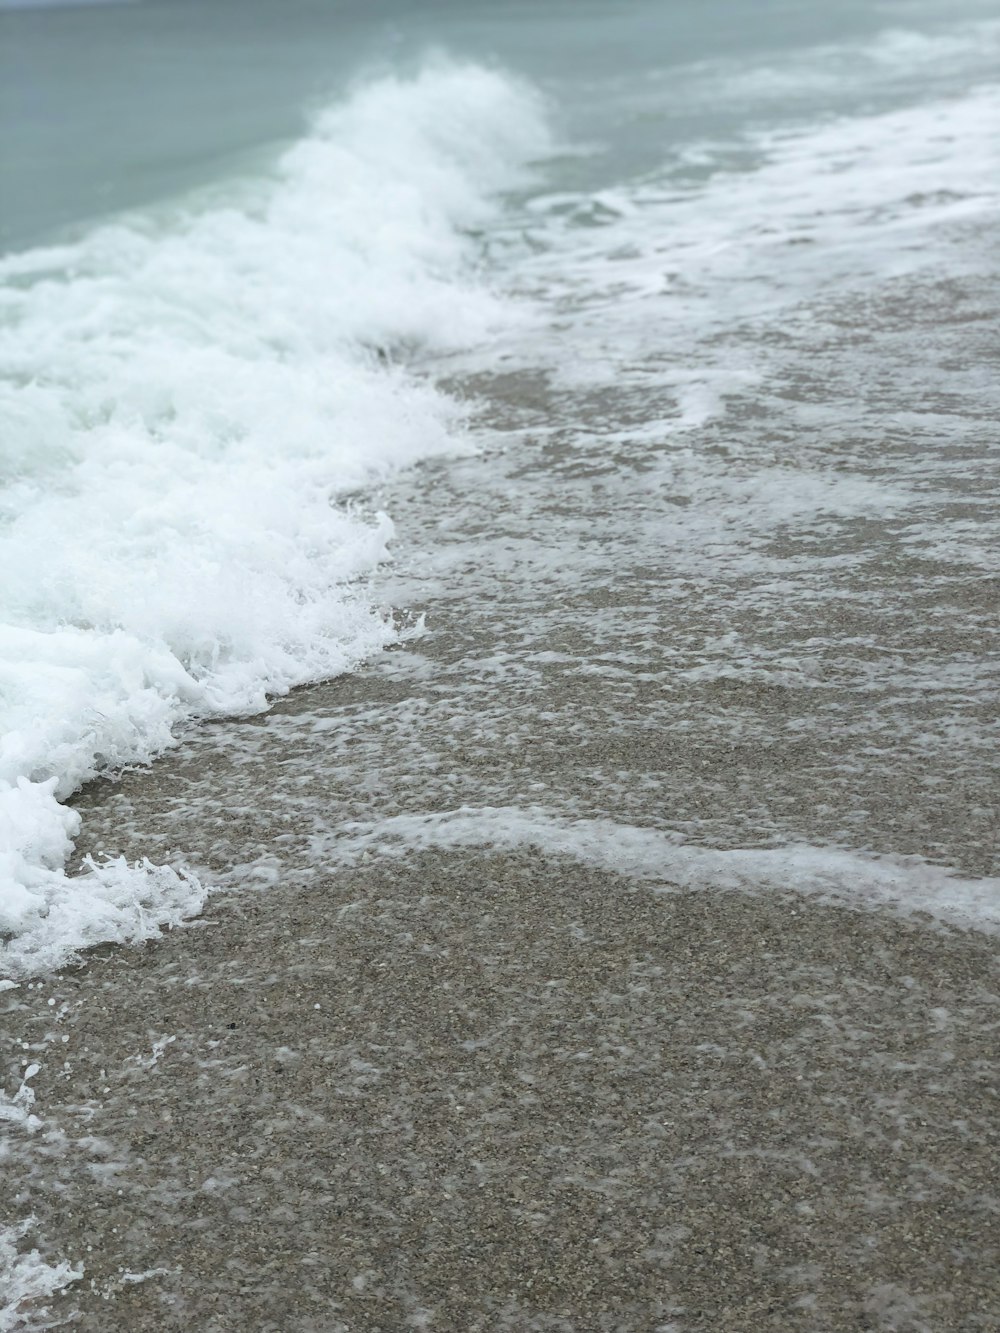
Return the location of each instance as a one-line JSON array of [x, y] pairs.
[[26, 1279], [898, 59], [769, 223], [181, 405], [906, 884], [17, 1110], [27, 1282]]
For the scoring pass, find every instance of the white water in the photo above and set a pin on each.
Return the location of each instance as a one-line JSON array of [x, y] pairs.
[[27, 1282], [183, 401], [188, 401]]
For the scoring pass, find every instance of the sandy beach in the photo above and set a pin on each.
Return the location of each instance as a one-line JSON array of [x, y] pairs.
[[475, 1091], [456, 1046], [499, 666]]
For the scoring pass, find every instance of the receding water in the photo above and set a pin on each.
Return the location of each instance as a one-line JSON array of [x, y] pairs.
[[629, 371]]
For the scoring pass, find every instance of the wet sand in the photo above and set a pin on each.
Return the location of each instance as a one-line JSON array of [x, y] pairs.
[[474, 1091], [503, 1087]]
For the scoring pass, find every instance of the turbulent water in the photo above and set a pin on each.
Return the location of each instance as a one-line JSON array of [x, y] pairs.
[[186, 405], [688, 203], [711, 286]]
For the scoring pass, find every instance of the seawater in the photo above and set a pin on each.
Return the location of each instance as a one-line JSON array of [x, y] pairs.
[[243, 241]]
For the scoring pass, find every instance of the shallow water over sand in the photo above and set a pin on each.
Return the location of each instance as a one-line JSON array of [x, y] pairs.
[[768, 629], [617, 951], [503, 1041]]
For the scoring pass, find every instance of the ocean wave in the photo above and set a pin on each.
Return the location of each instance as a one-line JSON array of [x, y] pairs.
[[185, 408]]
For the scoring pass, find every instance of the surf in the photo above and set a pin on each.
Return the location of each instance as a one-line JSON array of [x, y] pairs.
[[188, 407]]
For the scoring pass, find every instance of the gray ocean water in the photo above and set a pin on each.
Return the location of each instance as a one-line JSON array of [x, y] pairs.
[[110, 106]]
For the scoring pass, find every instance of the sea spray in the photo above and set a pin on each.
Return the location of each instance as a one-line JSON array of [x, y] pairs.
[[181, 408]]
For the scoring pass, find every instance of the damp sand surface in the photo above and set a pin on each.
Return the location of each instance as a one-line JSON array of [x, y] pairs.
[[451, 1048], [482, 1091]]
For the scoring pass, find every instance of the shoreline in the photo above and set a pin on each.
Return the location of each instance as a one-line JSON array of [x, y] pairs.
[[473, 1090], [496, 1087], [618, 951]]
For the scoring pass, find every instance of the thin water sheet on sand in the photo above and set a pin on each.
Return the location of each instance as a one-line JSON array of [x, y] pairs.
[[531, 1025], [474, 1090]]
